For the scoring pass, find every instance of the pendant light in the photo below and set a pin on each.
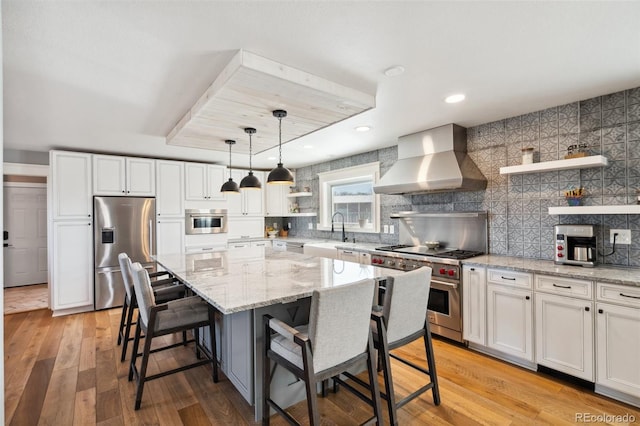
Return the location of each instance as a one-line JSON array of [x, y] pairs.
[[250, 181], [280, 175], [230, 185]]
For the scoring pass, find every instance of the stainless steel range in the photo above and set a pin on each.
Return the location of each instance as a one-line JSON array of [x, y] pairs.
[[467, 230]]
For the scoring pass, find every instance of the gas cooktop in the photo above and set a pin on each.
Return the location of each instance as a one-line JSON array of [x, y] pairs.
[[445, 253]]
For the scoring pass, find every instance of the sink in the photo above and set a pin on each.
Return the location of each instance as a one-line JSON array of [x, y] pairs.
[[327, 249]]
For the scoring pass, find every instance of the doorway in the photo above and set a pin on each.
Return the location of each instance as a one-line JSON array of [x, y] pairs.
[[25, 244]]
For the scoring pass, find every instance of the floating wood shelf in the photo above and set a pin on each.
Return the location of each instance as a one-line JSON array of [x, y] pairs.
[[547, 166], [621, 209]]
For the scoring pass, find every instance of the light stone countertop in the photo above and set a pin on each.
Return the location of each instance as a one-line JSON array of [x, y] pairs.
[[604, 273], [239, 280]]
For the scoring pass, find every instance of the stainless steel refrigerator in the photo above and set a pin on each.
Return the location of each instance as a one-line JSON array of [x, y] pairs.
[[121, 225]]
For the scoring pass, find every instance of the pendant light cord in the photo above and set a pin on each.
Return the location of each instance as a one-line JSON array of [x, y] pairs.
[[230, 162], [250, 154], [280, 138]]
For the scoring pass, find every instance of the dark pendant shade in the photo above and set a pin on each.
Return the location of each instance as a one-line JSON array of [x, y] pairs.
[[250, 182], [280, 175], [229, 186]]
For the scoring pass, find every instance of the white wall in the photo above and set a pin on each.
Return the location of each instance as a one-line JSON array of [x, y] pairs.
[[1, 221]]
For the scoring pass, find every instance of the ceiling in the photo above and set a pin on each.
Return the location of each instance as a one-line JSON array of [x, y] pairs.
[[117, 76]]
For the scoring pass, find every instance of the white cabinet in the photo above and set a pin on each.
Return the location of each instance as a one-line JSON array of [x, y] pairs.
[[114, 175], [354, 256], [249, 202], [617, 340], [241, 227], [203, 182], [474, 302], [277, 202], [72, 265], [510, 313], [564, 335], [70, 185], [170, 237], [170, 188]]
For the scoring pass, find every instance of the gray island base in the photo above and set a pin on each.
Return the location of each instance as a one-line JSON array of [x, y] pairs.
[[243, 285]]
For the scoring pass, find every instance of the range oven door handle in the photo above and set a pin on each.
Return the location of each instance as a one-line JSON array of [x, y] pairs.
[[445, 284]]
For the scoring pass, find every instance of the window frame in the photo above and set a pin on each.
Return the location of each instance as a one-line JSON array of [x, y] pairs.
[[354, 174]]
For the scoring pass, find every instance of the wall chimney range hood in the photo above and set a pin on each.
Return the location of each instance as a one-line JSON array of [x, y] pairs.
[[433, 160]]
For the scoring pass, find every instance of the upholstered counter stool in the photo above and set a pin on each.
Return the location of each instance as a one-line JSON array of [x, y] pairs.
[[400, 320], [158, 319], [165, 288], [337, 337]]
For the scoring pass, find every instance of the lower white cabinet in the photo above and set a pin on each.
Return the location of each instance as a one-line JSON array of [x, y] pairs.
[[72, 265], [618, 339], [510, 320], [474, 302], [170, 236], [564, 335]]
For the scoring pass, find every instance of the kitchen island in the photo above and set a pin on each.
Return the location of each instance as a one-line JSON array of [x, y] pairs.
[[243, 285]]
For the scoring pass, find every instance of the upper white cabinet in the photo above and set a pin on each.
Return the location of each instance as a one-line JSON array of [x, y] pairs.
[[170, 188], [114, 175], [203, 182], [71, 185], [249, 202], [277, 202], [474, 300]]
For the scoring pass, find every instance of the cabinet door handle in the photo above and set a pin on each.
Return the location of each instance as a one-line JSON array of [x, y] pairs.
[[561, 286], [586, 308], [600, 311], [507, 278], [472, 269], [527, 297], [628, 295]]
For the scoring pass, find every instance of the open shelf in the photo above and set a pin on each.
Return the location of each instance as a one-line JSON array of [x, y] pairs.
[[300, 214], [299, 194], [621, 209], [547, 166]]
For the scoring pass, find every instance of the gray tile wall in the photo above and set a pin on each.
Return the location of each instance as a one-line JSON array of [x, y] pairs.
[[519, 223]]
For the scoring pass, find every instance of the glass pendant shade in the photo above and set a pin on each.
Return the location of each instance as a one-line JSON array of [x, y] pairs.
[[230, 185], [250, 181], [280, 175]]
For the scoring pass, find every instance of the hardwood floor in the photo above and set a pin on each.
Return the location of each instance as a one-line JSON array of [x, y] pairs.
[[26, 298], [67, 371]]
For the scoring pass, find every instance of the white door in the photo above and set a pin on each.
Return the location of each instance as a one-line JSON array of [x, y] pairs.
[[510, 321], [25, 219]]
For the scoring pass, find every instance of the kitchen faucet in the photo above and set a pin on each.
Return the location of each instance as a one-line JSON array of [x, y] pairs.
[[344, 235]]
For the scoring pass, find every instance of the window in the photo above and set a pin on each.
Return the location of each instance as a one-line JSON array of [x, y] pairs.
[[347, 195]]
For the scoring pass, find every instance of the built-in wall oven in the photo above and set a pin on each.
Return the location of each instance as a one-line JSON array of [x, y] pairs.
[[205, 221]]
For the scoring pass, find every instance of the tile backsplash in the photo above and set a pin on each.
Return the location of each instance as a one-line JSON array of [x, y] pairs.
[[519, 223]]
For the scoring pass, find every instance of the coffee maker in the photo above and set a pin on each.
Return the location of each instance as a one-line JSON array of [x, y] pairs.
[[575, 245]]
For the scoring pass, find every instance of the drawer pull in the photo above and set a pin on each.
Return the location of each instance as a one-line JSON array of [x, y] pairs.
[[347, 252], [507, 278], [626, 295], [561, 286]]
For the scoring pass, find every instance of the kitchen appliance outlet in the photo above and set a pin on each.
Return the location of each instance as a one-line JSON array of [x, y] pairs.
[[623, 236]]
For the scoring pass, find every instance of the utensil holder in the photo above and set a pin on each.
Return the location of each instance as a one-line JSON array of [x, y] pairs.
[[574, 201]]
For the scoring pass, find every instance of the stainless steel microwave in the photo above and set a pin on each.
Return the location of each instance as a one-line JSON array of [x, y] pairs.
[[203, 221]]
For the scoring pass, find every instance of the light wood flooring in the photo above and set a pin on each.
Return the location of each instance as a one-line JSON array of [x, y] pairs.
[[67, 371], [26, 298]]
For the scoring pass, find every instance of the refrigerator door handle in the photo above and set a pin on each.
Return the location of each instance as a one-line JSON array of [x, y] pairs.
[[151, 237]]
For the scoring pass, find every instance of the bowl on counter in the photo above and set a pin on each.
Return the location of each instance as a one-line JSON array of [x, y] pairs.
[[272, 234], [432, 244]]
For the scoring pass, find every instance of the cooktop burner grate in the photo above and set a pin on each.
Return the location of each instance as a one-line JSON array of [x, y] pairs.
[[445, 253]]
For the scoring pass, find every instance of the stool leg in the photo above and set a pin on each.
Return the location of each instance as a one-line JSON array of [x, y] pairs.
[[373, 381], [143, 367], [431, 363], [134, 355], [125, 309], [127, 332], [212, 337], [266, 376]]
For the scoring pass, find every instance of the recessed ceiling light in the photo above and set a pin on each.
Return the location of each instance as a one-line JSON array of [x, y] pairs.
[[363, 128], [394, 71], [271, 158], [458, 97], [308, 146]]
